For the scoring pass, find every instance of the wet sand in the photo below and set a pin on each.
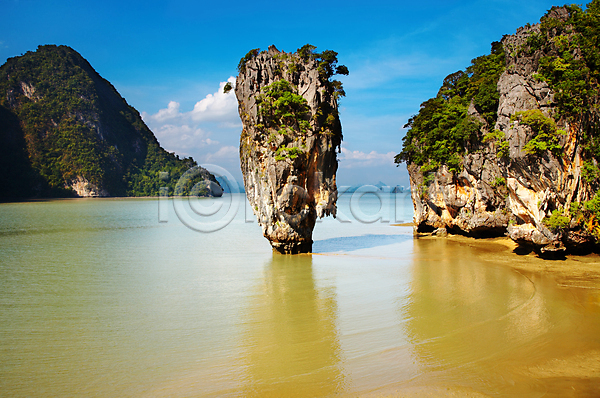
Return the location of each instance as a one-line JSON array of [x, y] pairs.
[[573, 270], [574, 273]]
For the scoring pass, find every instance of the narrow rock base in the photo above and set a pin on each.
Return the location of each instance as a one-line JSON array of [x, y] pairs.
[[293, 247]]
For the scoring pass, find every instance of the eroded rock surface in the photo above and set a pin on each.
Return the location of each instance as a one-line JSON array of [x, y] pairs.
[[512, 195], [291, 131]]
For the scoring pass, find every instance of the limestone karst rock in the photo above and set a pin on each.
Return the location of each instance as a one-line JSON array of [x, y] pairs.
[[288, 104], [527, 162], [66, 131]]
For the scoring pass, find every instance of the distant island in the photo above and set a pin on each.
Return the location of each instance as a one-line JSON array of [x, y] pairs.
[[511, 144], [65, 131]]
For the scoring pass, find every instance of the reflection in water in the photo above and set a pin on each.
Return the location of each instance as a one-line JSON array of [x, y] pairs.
[[98, 299], [473, 326], [291, 346]]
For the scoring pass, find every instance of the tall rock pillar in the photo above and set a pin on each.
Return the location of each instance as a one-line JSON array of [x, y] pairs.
[[288, 104]]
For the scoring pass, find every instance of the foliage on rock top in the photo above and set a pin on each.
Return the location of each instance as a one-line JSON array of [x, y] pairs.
[[249, 55], [281, 110], [280, 106], [327, 65]]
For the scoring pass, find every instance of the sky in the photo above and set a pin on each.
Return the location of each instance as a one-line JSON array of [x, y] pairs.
[[170, 60]]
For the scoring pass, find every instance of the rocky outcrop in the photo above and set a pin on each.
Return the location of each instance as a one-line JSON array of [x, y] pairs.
[[291, 130], [511, 193], [471, 202], [85, 189]]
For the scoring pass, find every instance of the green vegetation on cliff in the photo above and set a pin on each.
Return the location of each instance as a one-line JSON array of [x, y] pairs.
[[547, 135], [583, 218], [326, 64], [282, 112], [568, 40], [281, 108], [572, 68], [443, 129], [60, 121]]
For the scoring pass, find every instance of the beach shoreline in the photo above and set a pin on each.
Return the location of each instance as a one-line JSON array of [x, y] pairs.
[[583, 268], [572, 270]]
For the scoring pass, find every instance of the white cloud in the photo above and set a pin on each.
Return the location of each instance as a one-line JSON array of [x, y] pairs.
[[224, 153], [171, 135], [219, 106], [215, 107], [353, 159], [171, 112], [192, 133]]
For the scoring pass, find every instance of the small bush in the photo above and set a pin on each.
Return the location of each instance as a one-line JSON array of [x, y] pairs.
[[557, 221], [284, 153], [251, 54], [495, 135], [503, 149], [547, 136], [589, 172], [499, 182]]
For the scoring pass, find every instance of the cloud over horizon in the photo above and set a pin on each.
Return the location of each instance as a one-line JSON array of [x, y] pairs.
[[193, 133], [353, 159]]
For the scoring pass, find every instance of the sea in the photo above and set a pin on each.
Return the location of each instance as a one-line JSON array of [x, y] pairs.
[[163, 297]]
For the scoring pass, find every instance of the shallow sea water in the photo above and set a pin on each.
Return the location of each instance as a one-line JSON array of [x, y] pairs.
[[100, 299]]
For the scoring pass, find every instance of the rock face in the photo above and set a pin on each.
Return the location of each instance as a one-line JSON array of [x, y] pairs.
[[513, 194], [291, 131], [85, 189]]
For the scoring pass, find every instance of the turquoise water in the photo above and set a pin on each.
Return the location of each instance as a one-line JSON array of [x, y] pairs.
[[100, 298]]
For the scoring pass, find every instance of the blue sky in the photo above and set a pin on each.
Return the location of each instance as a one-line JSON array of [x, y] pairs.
[[169, 59]]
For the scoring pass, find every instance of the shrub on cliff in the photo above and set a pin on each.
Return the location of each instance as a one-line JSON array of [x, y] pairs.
[[546, 134], [586, 216], [279, 106], [572, 67]]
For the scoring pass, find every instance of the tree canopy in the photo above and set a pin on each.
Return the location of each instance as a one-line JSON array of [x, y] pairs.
[[443, 129]]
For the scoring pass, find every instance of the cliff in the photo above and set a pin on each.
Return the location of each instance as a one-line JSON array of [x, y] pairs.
[[66, 131], [517, 154], [291, 130]]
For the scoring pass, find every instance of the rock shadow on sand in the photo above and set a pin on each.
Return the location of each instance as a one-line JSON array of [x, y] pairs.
[[352, 243]]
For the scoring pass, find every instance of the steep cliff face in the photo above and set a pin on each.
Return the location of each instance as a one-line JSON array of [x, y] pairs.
[[537, 185], [523, 171], [471, 202], [66, 131], [291, 130]]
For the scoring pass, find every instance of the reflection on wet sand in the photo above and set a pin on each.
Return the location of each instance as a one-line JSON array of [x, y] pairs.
[[473, 327], [104, 303], [291, 346]]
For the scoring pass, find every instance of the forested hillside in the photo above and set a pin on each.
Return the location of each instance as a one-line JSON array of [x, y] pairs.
[[66, 131]]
